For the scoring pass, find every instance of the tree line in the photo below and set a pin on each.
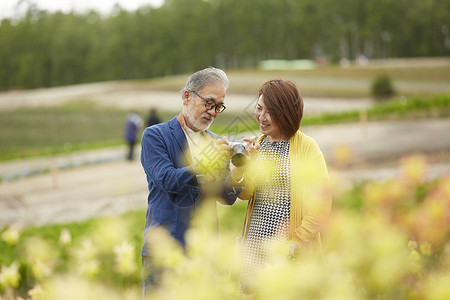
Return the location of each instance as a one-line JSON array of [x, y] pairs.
[[43, 49]]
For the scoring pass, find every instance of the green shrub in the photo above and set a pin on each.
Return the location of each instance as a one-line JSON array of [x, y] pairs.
[[382, 87]]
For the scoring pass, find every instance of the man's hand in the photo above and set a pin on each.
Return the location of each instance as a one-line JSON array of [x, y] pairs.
[[224, 147]]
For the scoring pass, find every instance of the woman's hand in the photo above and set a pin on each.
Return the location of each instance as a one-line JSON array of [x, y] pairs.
[[252, 147]]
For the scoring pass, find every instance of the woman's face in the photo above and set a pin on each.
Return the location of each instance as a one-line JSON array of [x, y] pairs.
[[266, 125]]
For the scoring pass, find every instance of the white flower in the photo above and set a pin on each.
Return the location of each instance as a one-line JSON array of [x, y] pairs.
[[11, 236], [125, 258], [9, 276]]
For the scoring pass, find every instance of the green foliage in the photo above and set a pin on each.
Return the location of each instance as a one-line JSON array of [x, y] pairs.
[[382, 88], [41, 49]]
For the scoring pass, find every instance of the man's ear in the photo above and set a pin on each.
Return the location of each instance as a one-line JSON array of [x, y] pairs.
[[186, 97]]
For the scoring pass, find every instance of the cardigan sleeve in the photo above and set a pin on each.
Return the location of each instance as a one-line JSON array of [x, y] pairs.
[[310, 192]]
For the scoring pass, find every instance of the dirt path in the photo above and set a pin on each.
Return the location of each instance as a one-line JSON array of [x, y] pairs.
[[73, 195]]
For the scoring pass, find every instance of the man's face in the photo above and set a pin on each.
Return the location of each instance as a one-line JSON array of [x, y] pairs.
[[198, 117]]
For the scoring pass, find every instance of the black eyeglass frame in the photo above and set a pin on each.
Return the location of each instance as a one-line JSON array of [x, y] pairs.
[[209, 104]]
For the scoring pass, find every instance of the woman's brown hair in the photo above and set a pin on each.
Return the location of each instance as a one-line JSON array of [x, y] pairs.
[[285, 104]]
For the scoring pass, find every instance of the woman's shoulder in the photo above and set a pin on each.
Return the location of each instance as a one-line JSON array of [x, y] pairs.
[[302, 137], [304, 143]]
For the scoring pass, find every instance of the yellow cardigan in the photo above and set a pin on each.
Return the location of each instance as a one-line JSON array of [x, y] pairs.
[[310, 196]]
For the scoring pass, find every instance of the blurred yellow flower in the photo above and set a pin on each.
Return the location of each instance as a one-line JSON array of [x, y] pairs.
[[390, 259], [431, 221], [373, 193], [89, 267], [395, 246], [108, 233], [444, 186], [260, 174], [37, 248], [413, 169], [166, 251], [69, 287], [437, 287], [40, 269], [205, 217], [415, 261], [412, 245], [425, 249], [11, 236], [395, 191], [9, 276], [41, 256], [338, 183], [65, 237], [125, 258], [342, 154], [37, 293], [209, 159], [86, 255], [87, 251]]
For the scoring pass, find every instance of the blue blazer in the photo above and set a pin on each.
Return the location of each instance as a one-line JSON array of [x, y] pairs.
[[173, 187]]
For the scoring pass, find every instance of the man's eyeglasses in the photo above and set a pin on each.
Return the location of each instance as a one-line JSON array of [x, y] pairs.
[[209, 104]]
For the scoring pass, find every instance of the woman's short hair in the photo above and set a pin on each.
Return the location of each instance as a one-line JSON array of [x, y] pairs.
[[285, 104], [209, 75]]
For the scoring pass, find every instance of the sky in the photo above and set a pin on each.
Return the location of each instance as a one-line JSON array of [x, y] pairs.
[[9, 8]]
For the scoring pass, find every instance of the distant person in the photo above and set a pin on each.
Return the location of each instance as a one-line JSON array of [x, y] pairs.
[[153, 118], [285, 205], [362, 59], [132, 126], [175, 186]]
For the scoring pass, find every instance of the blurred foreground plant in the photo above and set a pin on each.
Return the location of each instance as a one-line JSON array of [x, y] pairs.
[[394, 244]]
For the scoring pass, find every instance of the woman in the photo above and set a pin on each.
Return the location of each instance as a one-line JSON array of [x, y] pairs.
[[291, 202]]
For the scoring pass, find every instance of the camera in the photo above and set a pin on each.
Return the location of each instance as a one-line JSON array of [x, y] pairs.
[[238, 153]]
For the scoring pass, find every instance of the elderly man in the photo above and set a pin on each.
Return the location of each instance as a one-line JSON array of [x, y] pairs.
[[167, 158]]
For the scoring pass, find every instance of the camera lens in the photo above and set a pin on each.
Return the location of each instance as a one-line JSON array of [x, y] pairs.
[[238, 157]]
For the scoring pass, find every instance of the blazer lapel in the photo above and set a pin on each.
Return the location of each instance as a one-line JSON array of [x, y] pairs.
[[178, 134]]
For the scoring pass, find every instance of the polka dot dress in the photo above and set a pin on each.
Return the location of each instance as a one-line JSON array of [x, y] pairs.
[[269, 221]]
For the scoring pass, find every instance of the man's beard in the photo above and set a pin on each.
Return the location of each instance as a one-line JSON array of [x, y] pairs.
[[197, 123]]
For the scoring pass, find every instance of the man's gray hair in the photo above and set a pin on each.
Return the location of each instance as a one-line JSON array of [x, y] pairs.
[[209, 75]]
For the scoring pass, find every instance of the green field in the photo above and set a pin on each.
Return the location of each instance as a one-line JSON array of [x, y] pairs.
[[422, 91], [411, 77], [63, 129]]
